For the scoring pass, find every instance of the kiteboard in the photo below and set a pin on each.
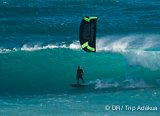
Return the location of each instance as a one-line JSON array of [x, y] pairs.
[[78, 85]]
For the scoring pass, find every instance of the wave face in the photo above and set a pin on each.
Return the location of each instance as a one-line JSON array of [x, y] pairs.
[[40, 52]]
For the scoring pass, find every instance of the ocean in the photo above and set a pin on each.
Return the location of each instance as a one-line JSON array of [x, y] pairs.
[[40, 52]]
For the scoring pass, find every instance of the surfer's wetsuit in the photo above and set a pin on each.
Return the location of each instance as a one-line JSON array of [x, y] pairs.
[[79, 75]]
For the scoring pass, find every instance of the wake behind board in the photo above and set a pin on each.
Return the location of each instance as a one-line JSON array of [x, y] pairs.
[[76, 85]]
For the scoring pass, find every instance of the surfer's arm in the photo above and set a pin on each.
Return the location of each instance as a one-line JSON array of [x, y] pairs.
[[82, 72]]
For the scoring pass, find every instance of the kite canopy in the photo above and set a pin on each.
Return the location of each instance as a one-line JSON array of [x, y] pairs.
[[87, 34]]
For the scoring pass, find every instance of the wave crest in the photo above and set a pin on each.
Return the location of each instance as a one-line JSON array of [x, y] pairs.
[[137, 49], [26, 47]]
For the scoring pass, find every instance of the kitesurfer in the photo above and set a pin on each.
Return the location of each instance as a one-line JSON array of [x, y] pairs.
[[80, 75]]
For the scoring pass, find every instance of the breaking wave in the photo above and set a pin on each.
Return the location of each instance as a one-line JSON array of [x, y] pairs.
[[138, 49], [30, 48]]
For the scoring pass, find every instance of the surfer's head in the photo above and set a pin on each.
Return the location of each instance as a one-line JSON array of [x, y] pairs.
[[79, 67]]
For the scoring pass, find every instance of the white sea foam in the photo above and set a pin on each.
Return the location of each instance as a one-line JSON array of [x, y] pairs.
[[74, 45], [125, 43], [135, 84], [37, 47], [136, 54], [100, 84], [30, 48], [120, 45], [3, 50], [127, 84]]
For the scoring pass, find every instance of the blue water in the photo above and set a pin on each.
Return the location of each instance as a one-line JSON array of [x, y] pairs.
[[40, 52]]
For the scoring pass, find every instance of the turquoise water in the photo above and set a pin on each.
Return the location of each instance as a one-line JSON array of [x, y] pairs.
[[81, 103], [40, 52]]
